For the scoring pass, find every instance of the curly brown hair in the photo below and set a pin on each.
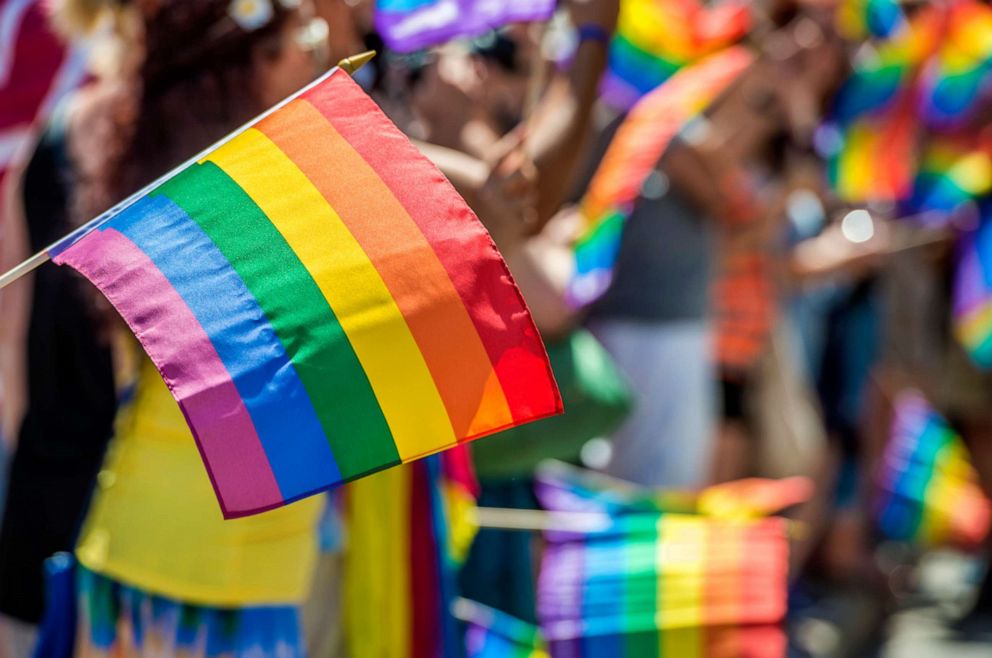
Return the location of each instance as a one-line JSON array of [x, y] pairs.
[[190, 80]]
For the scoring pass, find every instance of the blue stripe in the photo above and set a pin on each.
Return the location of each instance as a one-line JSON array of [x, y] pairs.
[[244, 339]]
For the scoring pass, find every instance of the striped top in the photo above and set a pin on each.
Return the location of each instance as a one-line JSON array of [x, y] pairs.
[[320, 302]]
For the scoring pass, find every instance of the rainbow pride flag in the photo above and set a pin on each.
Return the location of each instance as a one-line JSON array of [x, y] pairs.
[[973, 292], [656, 38], [860, 19], [400, 582], [408, 25], [927, 489], [667, 584], [320, 302], [633, 154], [490, 633], [951, 173], [962, 68]]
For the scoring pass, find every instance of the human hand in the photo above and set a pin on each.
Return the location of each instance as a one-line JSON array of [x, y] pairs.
[[508, 198]]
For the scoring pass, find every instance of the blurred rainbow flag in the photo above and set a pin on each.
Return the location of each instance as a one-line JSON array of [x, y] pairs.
[[408, 25], [667, 584], [905, 94], [952, 172], [633, 154], [494, 634], [927, 489], [860, 19], [408, 531], [973, 292], [656, 38]]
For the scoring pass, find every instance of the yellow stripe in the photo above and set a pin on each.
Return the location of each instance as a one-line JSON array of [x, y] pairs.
[[352, 286], [681, 586]]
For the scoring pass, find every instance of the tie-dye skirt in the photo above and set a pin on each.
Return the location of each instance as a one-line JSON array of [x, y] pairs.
[[119, 621]]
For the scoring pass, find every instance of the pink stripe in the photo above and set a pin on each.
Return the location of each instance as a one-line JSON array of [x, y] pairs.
[[188, 362]]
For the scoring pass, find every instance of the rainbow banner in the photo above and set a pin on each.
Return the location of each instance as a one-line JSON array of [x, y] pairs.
[[633, 154], [408, 25], [927, 489], [669, 585], [320, 302], [490, 633], [973, 292], [656, 38], [400, 583]]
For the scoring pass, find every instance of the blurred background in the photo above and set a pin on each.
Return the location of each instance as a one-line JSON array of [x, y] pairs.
[[756, 238]]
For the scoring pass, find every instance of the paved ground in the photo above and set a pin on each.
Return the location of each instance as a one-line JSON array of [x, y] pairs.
[[919, 622]]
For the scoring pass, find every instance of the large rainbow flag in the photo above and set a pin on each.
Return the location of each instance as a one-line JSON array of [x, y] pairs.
[[927, 489], [320, 301], [656, 38], [667, 584], [408, 25], [973, 291], [633, 154]]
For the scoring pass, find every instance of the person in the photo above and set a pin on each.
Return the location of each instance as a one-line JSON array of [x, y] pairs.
[[154, 537], [55, 374]]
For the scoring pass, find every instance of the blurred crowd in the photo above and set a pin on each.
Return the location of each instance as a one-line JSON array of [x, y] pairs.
[[773, 294]]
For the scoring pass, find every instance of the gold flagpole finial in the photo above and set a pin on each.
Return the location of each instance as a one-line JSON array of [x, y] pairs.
[[351, 64]]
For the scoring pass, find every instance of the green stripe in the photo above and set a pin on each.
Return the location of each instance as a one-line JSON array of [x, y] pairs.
[[638, 601], [310, 332]]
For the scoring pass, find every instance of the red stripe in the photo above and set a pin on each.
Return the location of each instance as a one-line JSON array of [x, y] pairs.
[[461, 243]]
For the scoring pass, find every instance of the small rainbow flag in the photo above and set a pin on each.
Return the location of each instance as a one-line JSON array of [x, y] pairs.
[[320, 302], [633, 154], [973, 292], [927, 489], [494, 634], [408, 25], [962, 68], [667, 584], [952, 172], [859, 19], [656, 38]]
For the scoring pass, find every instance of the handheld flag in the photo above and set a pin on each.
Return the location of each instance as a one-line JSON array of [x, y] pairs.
[[408, 25], [656, 38], [320, 301], [927, 489], [490, 633], [633, 154]]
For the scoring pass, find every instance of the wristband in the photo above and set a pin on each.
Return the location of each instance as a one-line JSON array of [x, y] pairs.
[[593, 32]]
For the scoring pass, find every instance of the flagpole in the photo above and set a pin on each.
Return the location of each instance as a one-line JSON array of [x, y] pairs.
[[348, 65]]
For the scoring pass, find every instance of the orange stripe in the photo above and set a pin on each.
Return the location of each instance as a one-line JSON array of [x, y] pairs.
[[414, 276]]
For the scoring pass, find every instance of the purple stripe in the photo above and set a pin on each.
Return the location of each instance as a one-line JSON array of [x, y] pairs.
[[190, 366], [444, 20]]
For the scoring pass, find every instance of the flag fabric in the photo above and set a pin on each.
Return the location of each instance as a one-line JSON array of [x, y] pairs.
[[656, 38], [490, 633], [563, 487], [633, 154], [973, 291], [667, 584], [401, 558], [921, 85], [860, 19], [673, 573], [928, 492], [320, 301], [952, 172], [408, 25]]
